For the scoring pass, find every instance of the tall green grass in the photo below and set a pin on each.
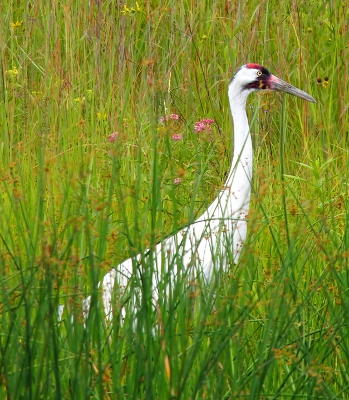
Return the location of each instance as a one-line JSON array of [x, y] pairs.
[[73, 204]]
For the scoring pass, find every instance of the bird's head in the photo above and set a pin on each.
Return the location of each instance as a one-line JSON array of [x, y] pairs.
[[254, 77]]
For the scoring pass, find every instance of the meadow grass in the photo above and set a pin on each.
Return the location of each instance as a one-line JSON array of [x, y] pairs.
[[74, 203]]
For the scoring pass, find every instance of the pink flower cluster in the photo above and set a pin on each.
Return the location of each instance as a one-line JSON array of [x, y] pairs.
[[174, 117], [177, 137], [177, 181], [203, 125], [112, 137]]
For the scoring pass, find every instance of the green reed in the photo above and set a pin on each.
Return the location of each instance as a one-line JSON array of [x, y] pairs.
[[75, 203]]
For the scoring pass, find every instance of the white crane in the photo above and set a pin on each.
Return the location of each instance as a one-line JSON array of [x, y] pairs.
[[219, 234]]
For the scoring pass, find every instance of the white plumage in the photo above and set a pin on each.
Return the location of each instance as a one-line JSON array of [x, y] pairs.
[[219, 234]]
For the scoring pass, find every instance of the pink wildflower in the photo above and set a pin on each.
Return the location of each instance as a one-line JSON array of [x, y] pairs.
[[174, 117], [112, 137], [203, 125], [208, 121], [177, 181], [199, 126], [177, 137]]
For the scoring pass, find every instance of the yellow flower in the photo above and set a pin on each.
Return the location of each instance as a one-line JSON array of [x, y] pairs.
[[326, 82], [125, 10], [101, 116], [79, 100], [12, 73], [16, 24], [131, 10]]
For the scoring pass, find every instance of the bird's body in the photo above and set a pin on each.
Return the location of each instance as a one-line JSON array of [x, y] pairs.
[[216, 237]]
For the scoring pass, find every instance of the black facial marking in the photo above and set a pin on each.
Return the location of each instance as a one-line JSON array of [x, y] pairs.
[[265, 72], [261, 82]]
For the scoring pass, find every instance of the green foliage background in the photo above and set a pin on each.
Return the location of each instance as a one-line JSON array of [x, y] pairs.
[[73, 204]]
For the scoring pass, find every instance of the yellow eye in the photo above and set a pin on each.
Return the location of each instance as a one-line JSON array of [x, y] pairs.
[[259, 73]]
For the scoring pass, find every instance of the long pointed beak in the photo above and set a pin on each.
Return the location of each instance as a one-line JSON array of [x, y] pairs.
[[279, 85]]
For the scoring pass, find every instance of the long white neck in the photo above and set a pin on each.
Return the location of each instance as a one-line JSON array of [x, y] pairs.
[[240, 173], [230, 208]]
